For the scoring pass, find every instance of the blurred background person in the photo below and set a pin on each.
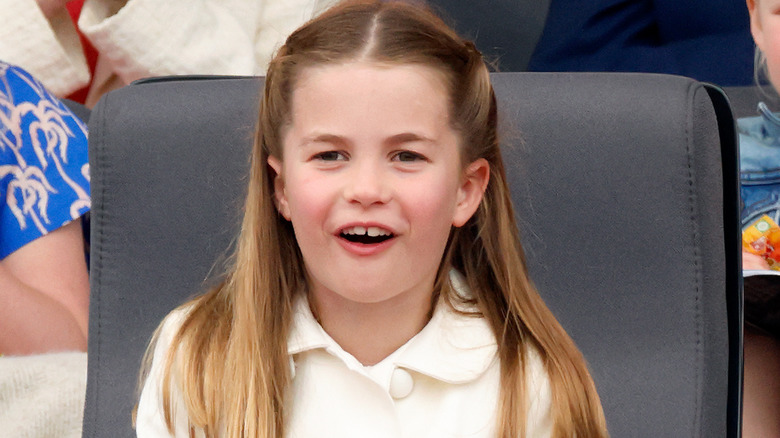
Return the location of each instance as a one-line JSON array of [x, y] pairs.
[[708, 40], [44, 188], [94, 46]]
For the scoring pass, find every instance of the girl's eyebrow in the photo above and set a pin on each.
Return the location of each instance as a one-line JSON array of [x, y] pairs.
[[408, 137], [337, 140], [325, 138]]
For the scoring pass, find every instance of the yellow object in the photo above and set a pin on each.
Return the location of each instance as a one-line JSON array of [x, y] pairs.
[[762, 237]]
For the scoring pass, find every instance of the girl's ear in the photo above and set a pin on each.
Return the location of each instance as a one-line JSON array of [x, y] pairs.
[[280, 197], [755, 24], [475, 181]]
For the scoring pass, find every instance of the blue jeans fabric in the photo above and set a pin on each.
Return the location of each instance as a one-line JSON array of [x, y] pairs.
[[759, 143]]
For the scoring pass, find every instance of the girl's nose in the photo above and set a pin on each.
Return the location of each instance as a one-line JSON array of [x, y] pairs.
[[368, 184]]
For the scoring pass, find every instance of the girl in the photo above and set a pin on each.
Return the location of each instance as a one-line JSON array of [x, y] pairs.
[[378, 286]]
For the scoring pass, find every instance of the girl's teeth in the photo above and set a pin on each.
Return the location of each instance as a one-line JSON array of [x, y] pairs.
[[370, 231], [374, 231]]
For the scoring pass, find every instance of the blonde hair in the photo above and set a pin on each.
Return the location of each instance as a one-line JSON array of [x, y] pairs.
[[229, 357], [761, 72]]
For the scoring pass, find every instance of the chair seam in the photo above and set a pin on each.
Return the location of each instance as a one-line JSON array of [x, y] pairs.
[[693, 88], [100, 160]]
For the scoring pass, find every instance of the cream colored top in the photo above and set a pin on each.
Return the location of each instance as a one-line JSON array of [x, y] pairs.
[[442, 383]]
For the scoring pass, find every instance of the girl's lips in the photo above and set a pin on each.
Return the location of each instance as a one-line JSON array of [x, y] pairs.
[[365, 238]]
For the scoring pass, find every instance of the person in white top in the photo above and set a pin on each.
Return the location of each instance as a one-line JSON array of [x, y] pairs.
[[142, 38], [378, 286]]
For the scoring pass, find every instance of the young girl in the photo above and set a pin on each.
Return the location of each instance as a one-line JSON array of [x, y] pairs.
[[378, 286]]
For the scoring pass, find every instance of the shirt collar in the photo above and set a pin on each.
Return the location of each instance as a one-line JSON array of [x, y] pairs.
[[306, 333], [453, 347]]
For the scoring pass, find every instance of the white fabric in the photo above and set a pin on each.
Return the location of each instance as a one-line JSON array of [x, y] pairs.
[[454, 384], [141, 38], [42, 395]]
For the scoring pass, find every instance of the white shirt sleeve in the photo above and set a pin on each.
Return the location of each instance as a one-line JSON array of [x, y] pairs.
[[150, 421], [141, 38], [48, 49]]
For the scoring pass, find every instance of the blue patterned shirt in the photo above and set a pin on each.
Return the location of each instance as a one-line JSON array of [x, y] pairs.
[[44, 171]]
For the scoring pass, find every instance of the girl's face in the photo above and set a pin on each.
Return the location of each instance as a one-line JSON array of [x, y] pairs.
[[372, 180], [765, 26]]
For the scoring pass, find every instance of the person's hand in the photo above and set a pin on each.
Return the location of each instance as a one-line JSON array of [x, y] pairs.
[[753, 261], [51, 7]]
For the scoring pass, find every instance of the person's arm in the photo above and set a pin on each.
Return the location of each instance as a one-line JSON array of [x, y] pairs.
[[658, 36], [44, 295], [44, 43], [142, 38]]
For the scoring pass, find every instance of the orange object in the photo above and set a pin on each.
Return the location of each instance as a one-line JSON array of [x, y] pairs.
[[762, 237]]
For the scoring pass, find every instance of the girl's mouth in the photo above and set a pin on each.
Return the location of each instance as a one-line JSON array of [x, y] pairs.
[[366, 235]]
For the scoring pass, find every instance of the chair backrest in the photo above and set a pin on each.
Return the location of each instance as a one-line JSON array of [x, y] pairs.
[[626, 194]]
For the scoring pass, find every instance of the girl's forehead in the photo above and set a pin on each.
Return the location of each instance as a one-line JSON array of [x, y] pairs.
[[319, 88], [357, 69], [372, 85], [367, 101]]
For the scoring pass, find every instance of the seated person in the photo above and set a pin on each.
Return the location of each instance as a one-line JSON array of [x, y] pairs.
[[141, 38], [44, 185], [759, 161], [708, 41]]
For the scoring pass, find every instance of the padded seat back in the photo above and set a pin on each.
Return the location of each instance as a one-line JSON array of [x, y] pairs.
[[626, 195]]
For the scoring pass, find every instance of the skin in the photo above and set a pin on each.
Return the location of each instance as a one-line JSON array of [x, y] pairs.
[[44, 295], [371, 146], [765, 27], [753, 261], [52, 7], [761, 408]]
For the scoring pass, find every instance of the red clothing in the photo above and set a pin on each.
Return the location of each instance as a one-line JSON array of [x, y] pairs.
[[74, 9]]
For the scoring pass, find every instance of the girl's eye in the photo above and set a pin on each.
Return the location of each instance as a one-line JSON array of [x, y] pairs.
[[330, 156], [408, 156]]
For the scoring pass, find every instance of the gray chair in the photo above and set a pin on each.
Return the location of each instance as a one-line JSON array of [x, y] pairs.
[[626, 192]]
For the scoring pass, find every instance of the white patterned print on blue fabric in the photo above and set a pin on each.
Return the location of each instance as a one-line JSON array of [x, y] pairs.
[[44, 171]]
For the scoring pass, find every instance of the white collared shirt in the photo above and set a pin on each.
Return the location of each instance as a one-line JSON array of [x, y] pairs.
[[442, 383]]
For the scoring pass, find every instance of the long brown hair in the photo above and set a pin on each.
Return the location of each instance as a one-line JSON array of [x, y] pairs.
[[229, 358]]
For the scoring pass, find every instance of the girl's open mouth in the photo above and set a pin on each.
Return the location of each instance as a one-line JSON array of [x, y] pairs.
[[366, 235]]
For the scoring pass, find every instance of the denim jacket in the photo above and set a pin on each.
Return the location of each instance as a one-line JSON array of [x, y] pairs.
[[759, 162]]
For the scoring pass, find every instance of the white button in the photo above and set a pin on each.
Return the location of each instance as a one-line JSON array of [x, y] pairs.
[[401, 384]]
